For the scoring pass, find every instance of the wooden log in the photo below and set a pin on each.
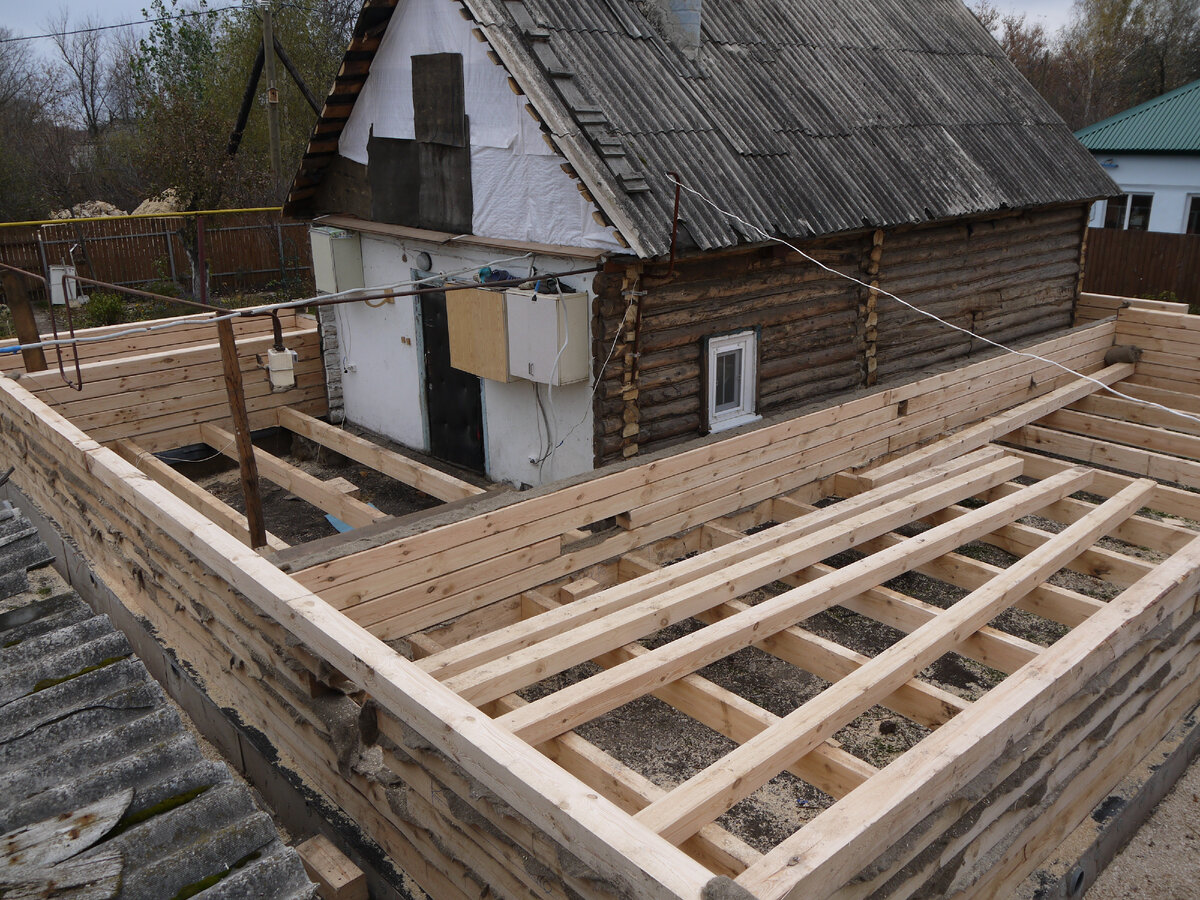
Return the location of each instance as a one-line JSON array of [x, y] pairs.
[[353, 512], [415, 474], [196, 497]]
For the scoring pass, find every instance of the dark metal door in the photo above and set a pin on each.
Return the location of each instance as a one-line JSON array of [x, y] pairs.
[[453, 402]]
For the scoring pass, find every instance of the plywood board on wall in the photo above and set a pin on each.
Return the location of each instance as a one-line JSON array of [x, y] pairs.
[[478, 333]]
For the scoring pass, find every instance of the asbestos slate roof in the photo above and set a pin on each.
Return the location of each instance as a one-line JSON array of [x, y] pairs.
[[88, 739], [804, 117], [1167, 124]]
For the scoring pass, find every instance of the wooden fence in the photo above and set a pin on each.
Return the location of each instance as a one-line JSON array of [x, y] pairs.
[[1143, 264], [246, 251]]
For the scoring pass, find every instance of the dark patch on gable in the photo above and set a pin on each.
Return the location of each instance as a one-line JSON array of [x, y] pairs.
[[393, 171], [439, 99], [426, 183]]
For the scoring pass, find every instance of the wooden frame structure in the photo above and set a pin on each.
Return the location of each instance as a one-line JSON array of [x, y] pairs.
[[528, 616]]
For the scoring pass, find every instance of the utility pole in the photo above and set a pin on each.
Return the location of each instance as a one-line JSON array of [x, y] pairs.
[[268, 37]]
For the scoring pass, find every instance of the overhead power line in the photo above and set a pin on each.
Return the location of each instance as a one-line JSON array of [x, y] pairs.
[[94, 28]]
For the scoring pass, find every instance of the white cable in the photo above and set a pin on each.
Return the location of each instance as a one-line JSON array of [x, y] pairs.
[[596, 386], [902, 302], [242, 313]]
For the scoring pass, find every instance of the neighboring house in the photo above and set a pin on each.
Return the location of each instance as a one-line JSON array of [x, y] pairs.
[[1152, 151], [894, 141]]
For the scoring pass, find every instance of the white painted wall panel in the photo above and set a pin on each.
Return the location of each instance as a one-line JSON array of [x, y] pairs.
[[520, 191], [1173, 180]]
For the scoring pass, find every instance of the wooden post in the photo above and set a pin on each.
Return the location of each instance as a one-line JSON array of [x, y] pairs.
[[17, 293], [237, 406]]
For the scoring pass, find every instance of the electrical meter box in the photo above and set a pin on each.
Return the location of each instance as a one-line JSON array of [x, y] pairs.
[[547, 336], [337, 259], [57, 296]]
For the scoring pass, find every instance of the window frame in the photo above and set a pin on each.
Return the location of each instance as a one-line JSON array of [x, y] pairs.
[[1127, 200], [745, 410], [1192, 201]]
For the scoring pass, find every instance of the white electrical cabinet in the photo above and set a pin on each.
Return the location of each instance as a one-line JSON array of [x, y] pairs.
[[57, 296], [548, 337], [337, 259]]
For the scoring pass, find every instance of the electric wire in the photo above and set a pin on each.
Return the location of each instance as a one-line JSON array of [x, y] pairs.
[[94, 28], [255, 310], [926, 313], [595, 386]]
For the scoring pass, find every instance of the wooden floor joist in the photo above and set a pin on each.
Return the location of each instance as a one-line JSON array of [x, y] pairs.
[[353, 512], [196, 497], [408, 471], [711, 792]]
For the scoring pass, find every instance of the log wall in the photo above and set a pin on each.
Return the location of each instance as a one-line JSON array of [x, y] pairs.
[[1008, 278], [159, 387]]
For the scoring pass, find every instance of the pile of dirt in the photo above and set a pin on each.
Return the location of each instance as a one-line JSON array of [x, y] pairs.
[[167, 201], [88, 209]]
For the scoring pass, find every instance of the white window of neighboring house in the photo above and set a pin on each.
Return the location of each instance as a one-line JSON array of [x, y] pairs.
[[1129, 211], [732, 380], [1192, 225]]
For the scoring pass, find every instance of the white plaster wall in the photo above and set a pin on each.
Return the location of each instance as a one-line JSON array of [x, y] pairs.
[[383, 387], [1173, 180], [520, 191]]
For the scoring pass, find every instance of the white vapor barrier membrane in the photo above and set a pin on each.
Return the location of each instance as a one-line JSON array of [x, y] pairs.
[[520, 191]]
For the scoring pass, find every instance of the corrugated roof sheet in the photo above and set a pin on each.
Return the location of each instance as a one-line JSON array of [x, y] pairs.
[[805, 117], [1166, 124], [86, 735]]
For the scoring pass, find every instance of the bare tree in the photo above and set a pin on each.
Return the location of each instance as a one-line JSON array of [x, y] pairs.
[[84, 53]]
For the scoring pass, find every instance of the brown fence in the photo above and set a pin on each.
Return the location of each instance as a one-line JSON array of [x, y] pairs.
[[1143, 264], [246, 251]]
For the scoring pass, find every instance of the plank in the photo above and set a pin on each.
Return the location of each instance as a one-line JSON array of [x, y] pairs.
[[594, 696], [1137, 413], [992, 428], [1104, 453], [336, 877], [353, 512], [409, 471], [1169, 500], [988, 645], [647, 604], [191, 493], [740, 773], [1156, 438], [503, 641], [828, 852], [828, 767]]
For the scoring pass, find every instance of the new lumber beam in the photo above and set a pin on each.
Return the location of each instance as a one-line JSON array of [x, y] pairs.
[[353, 512], [740, 773], [987, 431], [584, 700], [1105, 453], [191, 493], [506, 640], [695, 594], [424, 478]]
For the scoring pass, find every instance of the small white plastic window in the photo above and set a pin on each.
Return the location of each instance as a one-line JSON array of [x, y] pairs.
[[732, 380]]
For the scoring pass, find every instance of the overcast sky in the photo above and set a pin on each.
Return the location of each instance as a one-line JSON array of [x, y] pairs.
[[28, 17]]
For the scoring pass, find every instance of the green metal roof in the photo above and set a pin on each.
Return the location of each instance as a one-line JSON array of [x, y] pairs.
[[1166, 124]]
